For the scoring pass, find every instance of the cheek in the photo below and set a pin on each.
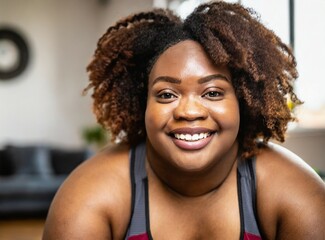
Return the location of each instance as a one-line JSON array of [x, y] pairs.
[[227, 115], [156, 116], [159, 111]]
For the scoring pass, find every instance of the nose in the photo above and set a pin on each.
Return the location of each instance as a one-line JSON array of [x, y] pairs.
[[190, 109]]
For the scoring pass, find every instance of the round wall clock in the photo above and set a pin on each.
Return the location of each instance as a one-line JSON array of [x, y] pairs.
[[14, 54]]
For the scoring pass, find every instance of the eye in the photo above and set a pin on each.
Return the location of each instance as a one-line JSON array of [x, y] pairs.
[[213, 95], [165, 97]]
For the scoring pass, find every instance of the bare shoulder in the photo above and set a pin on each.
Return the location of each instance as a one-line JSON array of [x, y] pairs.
[[290, 196], [94, 202]]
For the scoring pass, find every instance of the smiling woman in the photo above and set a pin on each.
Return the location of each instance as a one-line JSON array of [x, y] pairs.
[[193, 104]]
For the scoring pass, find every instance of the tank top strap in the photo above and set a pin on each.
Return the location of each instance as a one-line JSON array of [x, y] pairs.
[[138, 161], [137, 229], [246, 177]]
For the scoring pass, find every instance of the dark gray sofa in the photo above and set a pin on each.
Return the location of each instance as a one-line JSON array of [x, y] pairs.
[[31, 175]]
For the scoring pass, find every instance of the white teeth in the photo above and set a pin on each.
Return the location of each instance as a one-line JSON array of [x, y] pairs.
[[189, 137]]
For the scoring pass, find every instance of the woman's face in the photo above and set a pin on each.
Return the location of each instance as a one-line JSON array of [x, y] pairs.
[[192, 115]]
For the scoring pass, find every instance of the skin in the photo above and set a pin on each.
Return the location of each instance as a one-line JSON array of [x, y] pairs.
[[192, 186]]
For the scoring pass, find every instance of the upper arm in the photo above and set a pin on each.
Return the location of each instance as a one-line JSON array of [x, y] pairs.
[[89, 205], [65, 224], [302, 214], [291, 197], [74, 215]]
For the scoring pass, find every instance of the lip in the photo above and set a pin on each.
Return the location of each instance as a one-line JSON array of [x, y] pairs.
[[191, 145]]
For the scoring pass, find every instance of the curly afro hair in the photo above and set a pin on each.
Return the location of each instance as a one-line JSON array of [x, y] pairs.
[[263, 69]]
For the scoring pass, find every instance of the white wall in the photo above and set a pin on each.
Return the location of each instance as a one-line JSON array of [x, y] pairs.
[[310, 52], [44, 104], [117, 9], [274, 14]]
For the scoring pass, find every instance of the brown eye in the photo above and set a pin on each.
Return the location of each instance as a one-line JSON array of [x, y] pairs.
[[213, 95], [166, 95]]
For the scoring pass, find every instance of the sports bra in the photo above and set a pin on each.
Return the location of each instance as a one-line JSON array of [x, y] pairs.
[[139, 225]]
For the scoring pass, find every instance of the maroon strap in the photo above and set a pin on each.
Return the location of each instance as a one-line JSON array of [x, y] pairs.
[[249, 236], [143, 236]]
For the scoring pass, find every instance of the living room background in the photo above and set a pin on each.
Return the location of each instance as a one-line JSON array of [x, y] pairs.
[[45, 104]]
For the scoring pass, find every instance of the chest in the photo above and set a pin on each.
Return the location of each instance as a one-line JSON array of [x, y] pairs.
[[214, 217]]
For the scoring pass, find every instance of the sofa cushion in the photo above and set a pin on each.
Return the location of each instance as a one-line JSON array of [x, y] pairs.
[[64, 161], [22, 194], [29, 160], [6, 166], [33, 186]]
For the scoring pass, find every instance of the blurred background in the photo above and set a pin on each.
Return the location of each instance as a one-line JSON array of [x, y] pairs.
[[41, 104]]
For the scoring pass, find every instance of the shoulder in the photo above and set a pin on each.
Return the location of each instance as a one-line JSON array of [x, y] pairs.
[[290, 195], [95, 200]]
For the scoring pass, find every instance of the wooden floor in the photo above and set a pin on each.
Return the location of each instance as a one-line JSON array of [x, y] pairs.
[[29, 229]]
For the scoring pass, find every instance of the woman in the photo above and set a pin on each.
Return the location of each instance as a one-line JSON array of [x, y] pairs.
[[193, 105]]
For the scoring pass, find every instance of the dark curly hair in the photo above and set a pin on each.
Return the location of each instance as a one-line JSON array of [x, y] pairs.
[[263, 69]]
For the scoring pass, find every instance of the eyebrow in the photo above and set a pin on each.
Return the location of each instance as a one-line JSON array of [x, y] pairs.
[[166, 79], [213, 77], [200, 81]]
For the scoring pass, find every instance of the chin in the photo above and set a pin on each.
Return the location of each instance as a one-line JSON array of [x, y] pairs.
[[193, 161]]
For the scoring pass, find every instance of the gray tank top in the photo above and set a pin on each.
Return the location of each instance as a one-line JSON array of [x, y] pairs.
[[139, 226]]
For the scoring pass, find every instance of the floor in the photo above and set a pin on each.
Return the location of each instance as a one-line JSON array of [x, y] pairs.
[[29, 229]]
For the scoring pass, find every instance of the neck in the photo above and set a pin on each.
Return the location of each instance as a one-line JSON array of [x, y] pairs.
[[191, 183]]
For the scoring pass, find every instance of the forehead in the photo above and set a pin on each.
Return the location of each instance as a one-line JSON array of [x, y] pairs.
[[186, 57]]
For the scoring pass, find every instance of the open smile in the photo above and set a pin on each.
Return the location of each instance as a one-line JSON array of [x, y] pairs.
[[191, 138], [194, 137]]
